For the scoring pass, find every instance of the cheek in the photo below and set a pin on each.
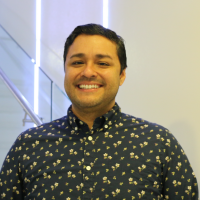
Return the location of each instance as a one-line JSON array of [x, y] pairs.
[[68, 75], [72, 73], [114, 74], [67, 80], [70, 79], [110, 75], [65, 84]]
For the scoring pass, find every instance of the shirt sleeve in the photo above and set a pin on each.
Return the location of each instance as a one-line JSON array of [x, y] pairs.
[[10, 176], [179, 181]]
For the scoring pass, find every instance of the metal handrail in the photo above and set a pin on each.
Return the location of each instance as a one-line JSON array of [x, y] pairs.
[[20, 98]]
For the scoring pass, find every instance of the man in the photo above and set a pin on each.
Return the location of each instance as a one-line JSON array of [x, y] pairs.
[[96, 152]]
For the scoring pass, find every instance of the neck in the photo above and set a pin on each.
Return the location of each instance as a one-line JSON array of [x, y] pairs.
[[88, 115]]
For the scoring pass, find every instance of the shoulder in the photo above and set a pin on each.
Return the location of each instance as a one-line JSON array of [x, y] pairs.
[[147, 129], [140, 123], [45, 129]]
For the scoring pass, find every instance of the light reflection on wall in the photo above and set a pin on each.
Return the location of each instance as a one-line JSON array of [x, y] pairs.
[[37, 64], [105, 13]]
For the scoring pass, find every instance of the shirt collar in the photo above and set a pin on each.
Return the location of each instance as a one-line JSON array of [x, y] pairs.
[[102, 123]]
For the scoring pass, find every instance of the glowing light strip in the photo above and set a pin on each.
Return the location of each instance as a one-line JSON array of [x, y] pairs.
[[105, 13], [37, 64]]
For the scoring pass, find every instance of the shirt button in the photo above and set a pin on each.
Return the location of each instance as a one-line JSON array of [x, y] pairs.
[[88, 168], [106, 126], [90, 138]]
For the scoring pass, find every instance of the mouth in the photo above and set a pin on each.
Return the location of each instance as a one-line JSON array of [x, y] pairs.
[[87, 86]]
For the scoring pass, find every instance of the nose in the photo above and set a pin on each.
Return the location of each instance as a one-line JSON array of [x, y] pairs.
[[89, 71]]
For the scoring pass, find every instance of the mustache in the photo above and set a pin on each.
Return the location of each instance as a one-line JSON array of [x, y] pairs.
[[91, 79]]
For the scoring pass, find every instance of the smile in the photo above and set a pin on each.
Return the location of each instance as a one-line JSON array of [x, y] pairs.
[[89, 86]]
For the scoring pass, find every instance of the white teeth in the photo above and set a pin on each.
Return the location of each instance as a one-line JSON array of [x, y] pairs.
[[88, 86]]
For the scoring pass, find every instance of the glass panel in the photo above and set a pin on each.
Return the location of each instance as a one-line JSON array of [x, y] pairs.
[[60, 103], [11, 115], [18, 67], [44, 98]]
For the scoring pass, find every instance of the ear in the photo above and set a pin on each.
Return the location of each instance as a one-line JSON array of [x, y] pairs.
[[122, 77]]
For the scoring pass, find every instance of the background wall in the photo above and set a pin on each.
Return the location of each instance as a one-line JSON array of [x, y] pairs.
[[163, 49]]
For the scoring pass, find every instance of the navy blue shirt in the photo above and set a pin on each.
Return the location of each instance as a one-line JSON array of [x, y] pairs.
[[121, 157]]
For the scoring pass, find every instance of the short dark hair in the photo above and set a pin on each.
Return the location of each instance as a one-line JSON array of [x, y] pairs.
[[96, 29]]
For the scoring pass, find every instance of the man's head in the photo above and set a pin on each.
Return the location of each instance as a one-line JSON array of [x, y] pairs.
[[95, 29], [93, 70]]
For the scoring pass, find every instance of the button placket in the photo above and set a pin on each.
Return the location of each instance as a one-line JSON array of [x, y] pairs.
[[88, 169]]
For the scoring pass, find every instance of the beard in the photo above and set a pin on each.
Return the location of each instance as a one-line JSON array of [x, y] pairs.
[[100, 100]]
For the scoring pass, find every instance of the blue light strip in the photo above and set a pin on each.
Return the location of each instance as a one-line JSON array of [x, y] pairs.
[[37, 64], [105, 13]]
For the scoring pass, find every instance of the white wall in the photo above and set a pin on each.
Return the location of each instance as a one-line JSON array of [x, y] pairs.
[[163, 48], [18, 18], [163, 84]]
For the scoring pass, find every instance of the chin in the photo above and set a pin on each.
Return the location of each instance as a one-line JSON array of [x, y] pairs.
[[88, 104]]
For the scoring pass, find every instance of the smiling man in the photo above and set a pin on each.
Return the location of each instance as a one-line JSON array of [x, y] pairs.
[[93, 76], [96, 152]]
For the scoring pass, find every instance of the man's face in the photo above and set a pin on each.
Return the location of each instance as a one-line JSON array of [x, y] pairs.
[[92, 75]]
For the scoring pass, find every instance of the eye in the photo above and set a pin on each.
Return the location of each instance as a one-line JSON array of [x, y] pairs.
[[77, 63], [103, 64]]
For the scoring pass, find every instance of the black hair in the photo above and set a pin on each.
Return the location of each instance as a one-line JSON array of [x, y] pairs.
[[96, 29]]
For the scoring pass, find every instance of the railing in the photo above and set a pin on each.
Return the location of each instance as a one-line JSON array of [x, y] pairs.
[[19, 68], [20, 98]]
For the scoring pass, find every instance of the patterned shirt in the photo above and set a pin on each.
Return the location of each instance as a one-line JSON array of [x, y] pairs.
[[121, 157]]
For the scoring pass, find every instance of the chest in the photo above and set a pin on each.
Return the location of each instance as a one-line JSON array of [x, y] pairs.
[[96, 167]]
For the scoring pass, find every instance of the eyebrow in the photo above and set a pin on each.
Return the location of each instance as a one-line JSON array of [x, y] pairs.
[[100, 56], [103, 56], [79, 55]]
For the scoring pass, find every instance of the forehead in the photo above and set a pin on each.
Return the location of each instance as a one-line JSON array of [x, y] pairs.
[[95, 44]]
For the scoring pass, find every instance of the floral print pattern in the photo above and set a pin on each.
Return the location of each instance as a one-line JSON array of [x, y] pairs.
[[121, 157]]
